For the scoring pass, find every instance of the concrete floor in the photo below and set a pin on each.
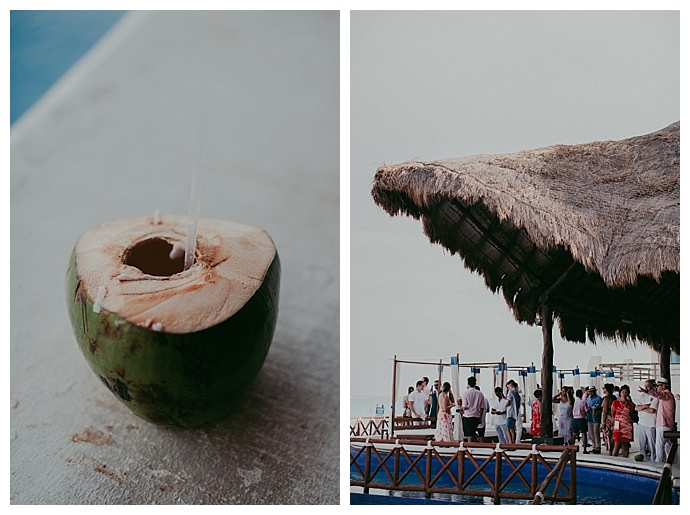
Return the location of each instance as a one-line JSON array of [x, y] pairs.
[[118, 136]]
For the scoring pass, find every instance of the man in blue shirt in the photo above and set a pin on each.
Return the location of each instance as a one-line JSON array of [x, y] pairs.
[[594, 419]]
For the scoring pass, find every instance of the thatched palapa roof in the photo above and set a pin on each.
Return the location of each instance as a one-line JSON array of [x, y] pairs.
[[591, 229]]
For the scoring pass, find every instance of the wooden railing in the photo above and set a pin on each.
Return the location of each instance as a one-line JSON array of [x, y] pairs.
[[369, 426], [380, 426], [556, 473], [510, 471], [402, 423], [664, 490]]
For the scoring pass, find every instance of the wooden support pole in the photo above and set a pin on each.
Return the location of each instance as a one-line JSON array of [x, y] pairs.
[[440, 386], [427, 474], [547, 372], [573, 477], [396, 467], [503, 373], [367, 468], [665, 362], [557, 469], [524, 400], [395, 370], [497, 478]]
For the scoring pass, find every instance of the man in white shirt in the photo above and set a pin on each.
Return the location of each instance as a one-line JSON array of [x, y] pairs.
[[498, 410], [427, 391], [646, 432], [418, 401], [427, 388], [579, 422]]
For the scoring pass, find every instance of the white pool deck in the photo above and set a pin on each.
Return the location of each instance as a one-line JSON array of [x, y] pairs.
[[118, 136]]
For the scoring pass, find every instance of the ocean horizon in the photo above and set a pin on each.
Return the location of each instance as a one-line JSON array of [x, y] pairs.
[[366, 405]]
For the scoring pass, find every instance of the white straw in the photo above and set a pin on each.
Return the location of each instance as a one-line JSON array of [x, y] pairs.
[[193, 218], [176, 251], [190, 247]]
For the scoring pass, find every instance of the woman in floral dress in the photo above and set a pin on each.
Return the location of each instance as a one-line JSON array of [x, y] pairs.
[[607, 417], [444, 420], [535, 426], [623, 433]]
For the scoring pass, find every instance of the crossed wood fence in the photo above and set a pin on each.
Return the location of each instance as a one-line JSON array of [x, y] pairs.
[[469, 469], [369, 426], [380, 426]]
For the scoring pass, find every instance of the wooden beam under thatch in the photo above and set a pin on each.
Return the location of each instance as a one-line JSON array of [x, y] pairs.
[[592, 229]]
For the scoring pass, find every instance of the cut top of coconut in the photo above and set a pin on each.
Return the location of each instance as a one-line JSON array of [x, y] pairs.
[[133, 267]]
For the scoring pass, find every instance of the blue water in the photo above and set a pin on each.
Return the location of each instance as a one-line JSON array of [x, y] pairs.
[[44, 45], [594, 486]]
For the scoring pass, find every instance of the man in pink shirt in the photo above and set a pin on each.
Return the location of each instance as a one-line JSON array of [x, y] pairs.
[[665, 417], [473, 409]]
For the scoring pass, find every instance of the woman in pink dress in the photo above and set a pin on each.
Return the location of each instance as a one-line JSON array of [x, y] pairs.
[[623, 432], [444, 420]]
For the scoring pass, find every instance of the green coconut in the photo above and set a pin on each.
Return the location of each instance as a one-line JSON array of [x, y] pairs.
[[175, 346]]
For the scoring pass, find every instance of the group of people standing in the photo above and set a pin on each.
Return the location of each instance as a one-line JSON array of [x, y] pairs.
[[422, 401], [611, 418], [506, 411], [581, 414]]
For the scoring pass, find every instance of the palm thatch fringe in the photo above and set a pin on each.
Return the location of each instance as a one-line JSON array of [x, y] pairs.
[[615, 205], [612, 206]]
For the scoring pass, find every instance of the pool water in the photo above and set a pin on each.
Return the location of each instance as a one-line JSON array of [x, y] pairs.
[[44, 45], [594, 486]]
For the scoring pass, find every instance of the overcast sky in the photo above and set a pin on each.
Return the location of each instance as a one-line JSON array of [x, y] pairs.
[[433, 85]]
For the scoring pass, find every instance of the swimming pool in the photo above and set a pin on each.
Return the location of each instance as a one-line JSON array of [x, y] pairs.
[[595, 484], [44, 45]]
